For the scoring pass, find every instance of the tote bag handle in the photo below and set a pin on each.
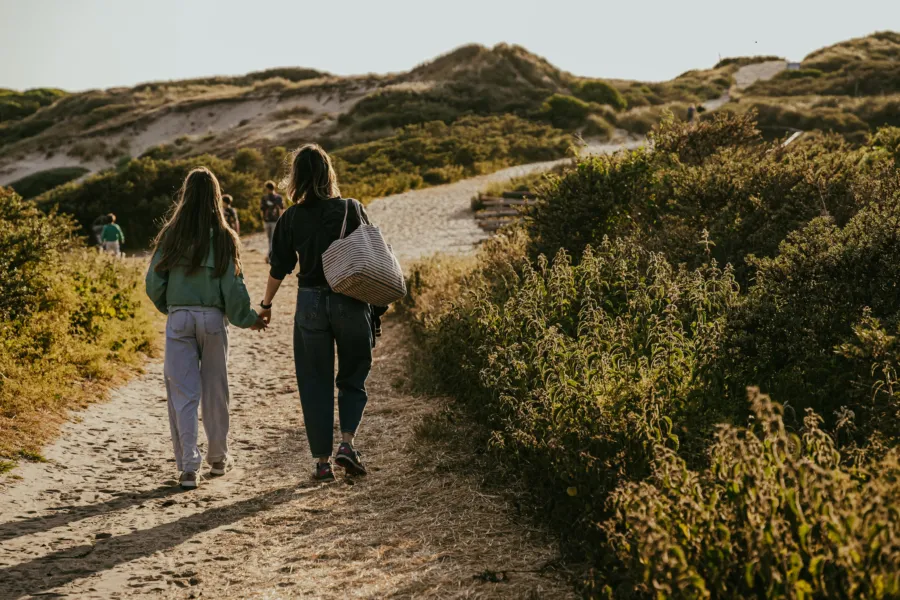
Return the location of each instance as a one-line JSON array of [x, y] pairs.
[[358, 213]]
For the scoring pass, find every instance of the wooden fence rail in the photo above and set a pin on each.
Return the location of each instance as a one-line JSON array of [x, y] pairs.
[[492, 212]]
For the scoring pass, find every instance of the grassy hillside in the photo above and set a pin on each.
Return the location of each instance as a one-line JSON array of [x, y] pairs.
[[850, 88]]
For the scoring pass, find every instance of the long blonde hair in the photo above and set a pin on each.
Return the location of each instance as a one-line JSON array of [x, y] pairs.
[[186, 232], [312, 175]]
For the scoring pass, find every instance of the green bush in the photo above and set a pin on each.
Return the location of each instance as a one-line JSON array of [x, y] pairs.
[[775, 515], [579, 369], [610, 370], [69, 318], [642, 120], [600, 92], [815, 326], [250, 161], [694, 143], [565, 112], [708, 190], [142, 191], [42, 181], [434, 153], [887, 140]]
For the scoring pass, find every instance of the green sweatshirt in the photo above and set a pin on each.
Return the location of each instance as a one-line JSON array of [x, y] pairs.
[[200, 288], [112, 233]]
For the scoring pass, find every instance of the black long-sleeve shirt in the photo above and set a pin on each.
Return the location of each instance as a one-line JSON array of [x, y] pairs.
[[304, 232]]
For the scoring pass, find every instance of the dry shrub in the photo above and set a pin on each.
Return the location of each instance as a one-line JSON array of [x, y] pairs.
[[775, 515]]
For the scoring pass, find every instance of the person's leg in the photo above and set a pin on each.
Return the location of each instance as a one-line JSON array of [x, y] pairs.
[[270, 232], [351, 321], [173, 417], [182, 373], [212, 336], [314, 363]]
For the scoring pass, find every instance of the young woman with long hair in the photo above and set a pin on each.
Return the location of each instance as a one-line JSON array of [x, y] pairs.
[[195, 278], [323, 318]]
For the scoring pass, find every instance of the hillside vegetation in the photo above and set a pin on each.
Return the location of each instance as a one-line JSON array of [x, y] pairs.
[[607, 345], [141, 191], [18, 105], [70, 318], [850, 88], [469, 111]]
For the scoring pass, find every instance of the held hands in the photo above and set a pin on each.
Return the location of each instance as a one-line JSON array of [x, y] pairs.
[[260, 324], [264, 315]]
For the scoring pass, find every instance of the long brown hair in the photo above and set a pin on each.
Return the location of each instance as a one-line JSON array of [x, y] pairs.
[[312, 175], [195, 222]]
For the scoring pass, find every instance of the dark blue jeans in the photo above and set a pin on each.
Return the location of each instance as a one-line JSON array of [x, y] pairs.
[[324, 318]]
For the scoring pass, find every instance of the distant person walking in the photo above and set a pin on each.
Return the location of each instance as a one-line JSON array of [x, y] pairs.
[[97, 228], [112, 236], [270, 208], [690, 113], [195, 278], [231, 216], [323, 318]]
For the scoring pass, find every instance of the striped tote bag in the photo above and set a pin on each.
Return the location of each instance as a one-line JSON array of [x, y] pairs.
[[362, 265]]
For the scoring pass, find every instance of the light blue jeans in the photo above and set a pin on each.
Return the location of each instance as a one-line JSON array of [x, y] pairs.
[[197, 378]]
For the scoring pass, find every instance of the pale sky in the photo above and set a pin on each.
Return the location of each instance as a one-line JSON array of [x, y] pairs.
[[85, 44]]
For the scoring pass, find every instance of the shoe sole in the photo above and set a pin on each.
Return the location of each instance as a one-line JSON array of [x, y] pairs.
[[229, 465], [352, 468], [189, 486], [324, 479]]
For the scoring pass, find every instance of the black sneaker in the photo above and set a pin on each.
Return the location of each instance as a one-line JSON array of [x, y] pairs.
[[323, 472], [349, 459]]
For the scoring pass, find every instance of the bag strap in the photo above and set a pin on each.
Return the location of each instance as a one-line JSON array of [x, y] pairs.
[[356, 205], [344, 226]]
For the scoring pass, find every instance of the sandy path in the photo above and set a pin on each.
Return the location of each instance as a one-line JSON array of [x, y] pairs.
[[439, 219], [747, 76], [101, 518]]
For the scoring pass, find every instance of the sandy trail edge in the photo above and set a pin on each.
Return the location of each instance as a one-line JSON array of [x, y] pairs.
[[101, 518]]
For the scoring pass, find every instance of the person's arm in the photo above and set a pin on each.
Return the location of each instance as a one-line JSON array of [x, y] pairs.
[[237, 299], [120, 235], [283, 257], [156, 285], [282, 261], [237, 222], [271, 289]]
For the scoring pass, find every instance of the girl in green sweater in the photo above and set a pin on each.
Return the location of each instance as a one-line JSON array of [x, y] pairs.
[[195, 278]]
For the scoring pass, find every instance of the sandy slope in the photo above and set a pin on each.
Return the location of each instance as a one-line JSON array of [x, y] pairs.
[[101, 518], [242, 123]]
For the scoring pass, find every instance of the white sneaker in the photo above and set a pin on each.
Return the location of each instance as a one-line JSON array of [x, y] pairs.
[[220, 467], [189, 480]]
